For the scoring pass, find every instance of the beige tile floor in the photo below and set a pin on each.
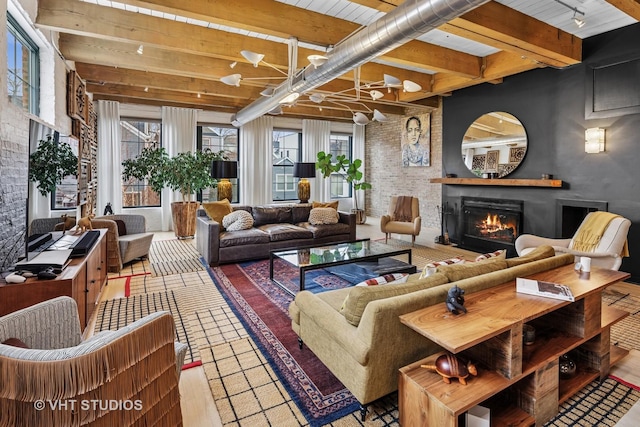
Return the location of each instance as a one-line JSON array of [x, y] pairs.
[[199, 409]]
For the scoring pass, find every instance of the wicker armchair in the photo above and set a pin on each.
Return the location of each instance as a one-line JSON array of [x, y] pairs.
[[128, 247], [61, 380]]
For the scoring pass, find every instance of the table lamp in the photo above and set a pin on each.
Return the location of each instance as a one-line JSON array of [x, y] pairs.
[[304, 171], [223, 170]]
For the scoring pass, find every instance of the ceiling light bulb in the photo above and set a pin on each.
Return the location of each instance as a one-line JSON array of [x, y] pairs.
[[268, 91], [252, 57], [198, 94], [390, 81], [289, 99], [275, 111], [376, 94], [316, 97], [317, 60], [579, 22], [409, 86], [360, 119], [231, 79], [233, 64], [140, 50], [146, 89], [378, 116]]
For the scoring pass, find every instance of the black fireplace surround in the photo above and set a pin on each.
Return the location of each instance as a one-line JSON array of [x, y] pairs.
[[486, 225]]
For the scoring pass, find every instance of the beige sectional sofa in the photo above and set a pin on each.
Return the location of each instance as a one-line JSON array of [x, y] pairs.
[[356, 331]]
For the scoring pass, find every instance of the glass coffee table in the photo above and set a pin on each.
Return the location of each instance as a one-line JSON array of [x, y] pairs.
[[374, 255]]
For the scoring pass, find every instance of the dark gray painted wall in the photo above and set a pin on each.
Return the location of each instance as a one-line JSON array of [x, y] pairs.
[[551, 105]]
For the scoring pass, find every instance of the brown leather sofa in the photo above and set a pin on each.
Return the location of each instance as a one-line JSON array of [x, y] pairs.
[[275, 227]]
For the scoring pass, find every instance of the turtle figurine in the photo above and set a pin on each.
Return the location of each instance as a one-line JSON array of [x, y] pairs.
[[450, 366]]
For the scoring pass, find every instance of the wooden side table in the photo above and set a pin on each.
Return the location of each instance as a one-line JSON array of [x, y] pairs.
[[520, 384]]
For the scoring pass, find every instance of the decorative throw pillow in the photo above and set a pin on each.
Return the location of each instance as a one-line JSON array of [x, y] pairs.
[[237, 220], [333, 205], [217, 210], [323, 216], [385, 280], [122, 227], [500, 253], [430, 268]]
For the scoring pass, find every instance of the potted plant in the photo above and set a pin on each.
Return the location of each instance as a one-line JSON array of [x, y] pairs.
[[350, 170], [50, 163], [188, 173]]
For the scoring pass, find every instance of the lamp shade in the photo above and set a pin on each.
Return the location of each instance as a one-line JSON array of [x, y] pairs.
[[304, 170], [221, 169]]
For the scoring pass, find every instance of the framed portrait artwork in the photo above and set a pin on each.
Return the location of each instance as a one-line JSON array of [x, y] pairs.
[[416, 140]]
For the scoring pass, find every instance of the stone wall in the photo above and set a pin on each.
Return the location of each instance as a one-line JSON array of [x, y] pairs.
[[387, 176]]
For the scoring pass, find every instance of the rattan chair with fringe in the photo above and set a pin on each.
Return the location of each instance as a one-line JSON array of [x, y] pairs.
[[115, 378]]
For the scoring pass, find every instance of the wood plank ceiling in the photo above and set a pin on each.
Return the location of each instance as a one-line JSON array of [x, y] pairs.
[[187, 46]]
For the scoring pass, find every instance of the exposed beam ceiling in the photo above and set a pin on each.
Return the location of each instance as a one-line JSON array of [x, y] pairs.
[[189, 46]]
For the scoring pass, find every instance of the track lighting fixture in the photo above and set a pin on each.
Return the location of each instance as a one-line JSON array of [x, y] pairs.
[[578, 21]]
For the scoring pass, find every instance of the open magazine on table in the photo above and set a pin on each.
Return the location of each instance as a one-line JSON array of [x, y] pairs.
[[544, 289]]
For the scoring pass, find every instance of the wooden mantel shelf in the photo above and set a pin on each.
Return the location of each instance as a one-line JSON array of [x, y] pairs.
[[554, 183]]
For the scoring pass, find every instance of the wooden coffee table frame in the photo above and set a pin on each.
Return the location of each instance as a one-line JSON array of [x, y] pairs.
[[519, 383], [409, 268]]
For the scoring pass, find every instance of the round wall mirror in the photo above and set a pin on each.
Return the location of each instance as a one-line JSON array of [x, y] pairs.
[[494, 145]]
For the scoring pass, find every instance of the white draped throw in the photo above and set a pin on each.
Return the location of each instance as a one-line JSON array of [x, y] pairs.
[[178, 136], [109, 164], [256, 161], [315, 138]]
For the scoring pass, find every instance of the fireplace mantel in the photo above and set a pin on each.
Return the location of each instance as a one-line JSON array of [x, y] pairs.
[[552, 183]]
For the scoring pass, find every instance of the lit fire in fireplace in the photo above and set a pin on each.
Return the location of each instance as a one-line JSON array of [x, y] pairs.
[[497, 227]]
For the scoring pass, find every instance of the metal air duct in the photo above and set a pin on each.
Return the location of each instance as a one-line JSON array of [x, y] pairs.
[[409, 20]]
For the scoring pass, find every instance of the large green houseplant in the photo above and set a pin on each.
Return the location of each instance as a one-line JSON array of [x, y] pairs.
[[188, 173], [50, 163], [351, 172]]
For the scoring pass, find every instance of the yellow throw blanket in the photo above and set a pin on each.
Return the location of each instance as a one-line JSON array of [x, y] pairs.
[[402, 210], [590, 232]]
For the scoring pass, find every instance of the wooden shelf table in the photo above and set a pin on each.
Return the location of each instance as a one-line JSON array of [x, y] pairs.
[[520, 384]]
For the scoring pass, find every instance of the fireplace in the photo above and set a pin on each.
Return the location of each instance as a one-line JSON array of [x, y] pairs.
[[486, 225]]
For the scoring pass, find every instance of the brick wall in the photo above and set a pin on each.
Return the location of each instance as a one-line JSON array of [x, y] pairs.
[[387, 176], [14, 141]]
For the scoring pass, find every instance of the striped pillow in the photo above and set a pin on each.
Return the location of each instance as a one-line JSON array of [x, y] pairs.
[[386, 279], [430, 268], [502, 253]]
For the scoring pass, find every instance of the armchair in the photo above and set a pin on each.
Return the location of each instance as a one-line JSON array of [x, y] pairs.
[[125, 242], [607, 249], [388, 223], [62, 380]]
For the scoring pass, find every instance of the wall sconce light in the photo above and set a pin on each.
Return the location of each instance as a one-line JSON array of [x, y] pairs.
[[594, 140]]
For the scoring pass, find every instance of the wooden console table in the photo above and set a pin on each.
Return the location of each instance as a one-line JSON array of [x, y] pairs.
[[82, 280], [520, 384]]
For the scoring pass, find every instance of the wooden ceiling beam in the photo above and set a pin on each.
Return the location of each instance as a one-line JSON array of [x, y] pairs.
[[504, 28], [267, 17], [630, 7]]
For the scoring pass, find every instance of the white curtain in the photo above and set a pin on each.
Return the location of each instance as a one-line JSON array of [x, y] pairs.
[[358, 153], [178, 136], [255, 163], [315, 138], [109, 159]]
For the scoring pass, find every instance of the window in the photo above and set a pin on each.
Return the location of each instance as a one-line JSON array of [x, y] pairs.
[[22, 68], [66, 194], [287, 150], [136, 135], [218, 138], [340, 144]]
